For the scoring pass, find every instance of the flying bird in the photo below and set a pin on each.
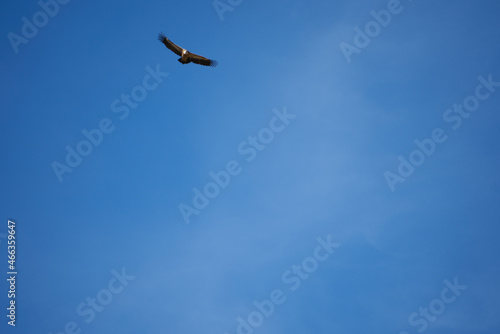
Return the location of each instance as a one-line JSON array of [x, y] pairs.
[[186, 56]]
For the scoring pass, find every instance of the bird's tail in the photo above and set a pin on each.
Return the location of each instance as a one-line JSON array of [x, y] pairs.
[[161, 37]]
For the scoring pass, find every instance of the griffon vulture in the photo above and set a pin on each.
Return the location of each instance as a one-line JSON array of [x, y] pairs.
[[186, 56]]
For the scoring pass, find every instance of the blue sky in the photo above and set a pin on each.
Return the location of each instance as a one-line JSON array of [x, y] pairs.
[[418, 256]]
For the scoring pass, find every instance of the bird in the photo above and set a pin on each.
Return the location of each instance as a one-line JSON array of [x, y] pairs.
[[186, 56]]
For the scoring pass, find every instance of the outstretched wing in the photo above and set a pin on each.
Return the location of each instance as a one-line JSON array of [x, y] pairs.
[[169, 44], [197, 59]]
